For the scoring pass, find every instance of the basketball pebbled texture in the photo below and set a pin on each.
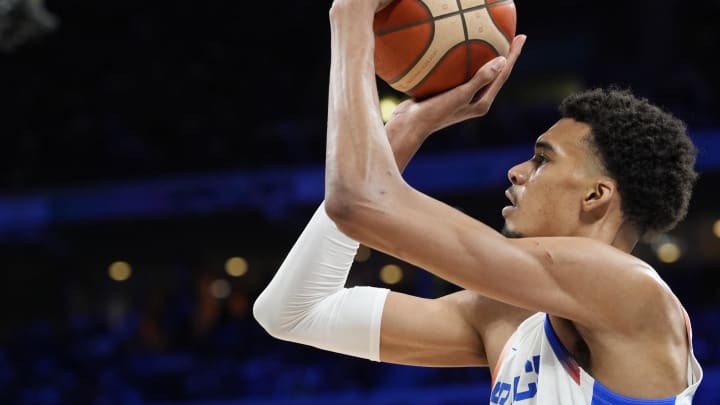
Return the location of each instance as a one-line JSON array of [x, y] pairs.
[[423, 47]]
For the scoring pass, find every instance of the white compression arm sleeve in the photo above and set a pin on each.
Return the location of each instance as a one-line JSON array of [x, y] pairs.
[[307, 302]]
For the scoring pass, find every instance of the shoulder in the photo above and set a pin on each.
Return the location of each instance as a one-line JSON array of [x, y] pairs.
[[656, 304], [646, 305]]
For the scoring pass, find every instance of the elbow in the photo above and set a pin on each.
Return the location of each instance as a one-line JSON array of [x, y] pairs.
[[362, 201], [360, 212], [267, 316], [339, 206], [350, 211], [261, 313]]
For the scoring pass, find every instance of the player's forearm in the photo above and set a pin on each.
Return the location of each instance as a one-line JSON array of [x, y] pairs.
[[359, 160], [306, 301]]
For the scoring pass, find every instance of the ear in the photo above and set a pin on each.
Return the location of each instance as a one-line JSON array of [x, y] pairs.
[[598, 197]]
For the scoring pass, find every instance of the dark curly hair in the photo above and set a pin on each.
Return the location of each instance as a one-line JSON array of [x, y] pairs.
[[645, 149]]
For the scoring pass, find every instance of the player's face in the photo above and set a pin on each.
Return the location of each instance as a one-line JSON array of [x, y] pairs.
[[547, 191]]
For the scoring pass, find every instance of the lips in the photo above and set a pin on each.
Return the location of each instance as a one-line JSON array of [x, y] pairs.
[[507, 211], [510, 197]]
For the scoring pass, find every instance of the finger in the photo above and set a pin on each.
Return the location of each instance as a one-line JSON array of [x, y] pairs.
[[494, 88], [515, 50], [479, 86], [486, 74], [382, 4]]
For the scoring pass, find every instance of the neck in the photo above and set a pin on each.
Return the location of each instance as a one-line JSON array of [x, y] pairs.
[[625, 238], [618, 234]]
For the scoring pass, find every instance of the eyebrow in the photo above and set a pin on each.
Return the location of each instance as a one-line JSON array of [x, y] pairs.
[[545, 145]]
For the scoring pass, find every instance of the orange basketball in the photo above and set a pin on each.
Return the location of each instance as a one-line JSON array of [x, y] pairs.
[[424, 47]]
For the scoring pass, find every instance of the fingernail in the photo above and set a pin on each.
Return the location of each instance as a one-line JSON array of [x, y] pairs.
[[498, 63]]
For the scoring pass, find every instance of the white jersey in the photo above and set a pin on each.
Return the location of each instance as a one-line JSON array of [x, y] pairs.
[[536, 369]]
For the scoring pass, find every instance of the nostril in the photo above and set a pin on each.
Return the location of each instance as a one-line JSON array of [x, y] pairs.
[[512, 177], [514, 174]]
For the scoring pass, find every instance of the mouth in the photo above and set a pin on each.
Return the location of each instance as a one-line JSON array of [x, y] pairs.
[[510, 197], [506, 211]]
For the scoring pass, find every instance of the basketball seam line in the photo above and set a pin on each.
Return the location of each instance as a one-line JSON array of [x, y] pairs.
[[492, 19], [410, 67], [465, 33], [438, 17]]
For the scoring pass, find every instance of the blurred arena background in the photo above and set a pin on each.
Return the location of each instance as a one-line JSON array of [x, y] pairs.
[[159, 159]]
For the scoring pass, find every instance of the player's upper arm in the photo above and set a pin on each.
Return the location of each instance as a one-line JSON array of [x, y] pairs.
[[459, 329], [429, 332], [580, 279]]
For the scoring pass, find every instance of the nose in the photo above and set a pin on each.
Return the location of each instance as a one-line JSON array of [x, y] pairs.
[[517, 175]]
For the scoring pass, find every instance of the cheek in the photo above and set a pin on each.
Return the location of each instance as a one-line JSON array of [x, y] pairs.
[[541, 197], [549, 204], [544, 212]]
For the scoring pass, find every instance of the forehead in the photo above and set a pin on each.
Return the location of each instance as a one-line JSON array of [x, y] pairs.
[[567, 137]]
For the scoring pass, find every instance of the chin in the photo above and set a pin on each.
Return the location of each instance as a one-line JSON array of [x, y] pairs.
[[510, 233]]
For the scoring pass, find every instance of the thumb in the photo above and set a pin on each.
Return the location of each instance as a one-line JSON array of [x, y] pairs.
[[488, 72], [498, 63]]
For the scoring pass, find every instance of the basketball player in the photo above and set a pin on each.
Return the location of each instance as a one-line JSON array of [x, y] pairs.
[[556, 305]]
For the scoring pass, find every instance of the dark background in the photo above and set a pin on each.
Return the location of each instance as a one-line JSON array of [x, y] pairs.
[[175, 135]]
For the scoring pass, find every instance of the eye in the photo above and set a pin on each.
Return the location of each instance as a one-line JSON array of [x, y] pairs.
[[539, 159]]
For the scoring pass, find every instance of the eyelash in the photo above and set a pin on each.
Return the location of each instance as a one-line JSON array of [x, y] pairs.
[[540, 159]]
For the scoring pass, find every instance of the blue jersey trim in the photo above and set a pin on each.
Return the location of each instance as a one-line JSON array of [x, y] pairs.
[[601, 394], [560, 351]]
